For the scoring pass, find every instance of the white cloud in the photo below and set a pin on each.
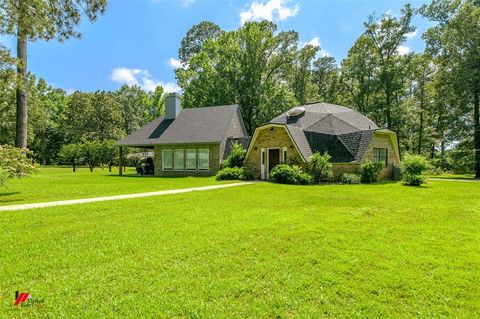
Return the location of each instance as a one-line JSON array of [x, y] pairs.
[[316, 43], [142, 78], [174, 63], [411, 35], [186, 3], [403, 50], [272, 10]]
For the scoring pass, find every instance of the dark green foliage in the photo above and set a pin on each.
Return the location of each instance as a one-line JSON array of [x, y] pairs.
[[412, 168], [236, 157], [234, 173], [290, 174], [351, 178], [71, 154], [319, 167], [369, 171]]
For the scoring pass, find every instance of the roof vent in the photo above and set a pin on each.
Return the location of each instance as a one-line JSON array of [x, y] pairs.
[[296, 112]]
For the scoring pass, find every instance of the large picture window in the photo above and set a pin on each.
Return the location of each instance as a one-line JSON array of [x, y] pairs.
[[191, 160], [380, 155], [179, 163], [167, 160], [203, 160]]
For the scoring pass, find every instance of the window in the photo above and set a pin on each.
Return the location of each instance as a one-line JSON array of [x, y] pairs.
[[191, 160], [203, 160], [179, 163], [284, 154], [167, 160], [380, 155]]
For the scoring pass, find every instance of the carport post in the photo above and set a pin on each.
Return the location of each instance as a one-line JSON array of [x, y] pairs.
[[120, 161]]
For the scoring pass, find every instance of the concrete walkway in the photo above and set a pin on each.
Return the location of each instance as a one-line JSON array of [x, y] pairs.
[[116, 197]]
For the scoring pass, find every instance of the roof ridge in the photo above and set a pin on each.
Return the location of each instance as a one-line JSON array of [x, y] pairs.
[[330, 114]]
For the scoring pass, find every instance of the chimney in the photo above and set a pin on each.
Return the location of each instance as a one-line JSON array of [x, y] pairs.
[[172, 106]]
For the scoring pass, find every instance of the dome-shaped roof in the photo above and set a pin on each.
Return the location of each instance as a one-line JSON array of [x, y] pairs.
[[328, 119]]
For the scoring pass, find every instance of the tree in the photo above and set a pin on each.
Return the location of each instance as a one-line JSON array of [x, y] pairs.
[[386, 35], [358, 76], [302, 73], [156, 104], [134, 105], [246, 66], [13, 163], [108, 153], [30, 20], [7, 82], [91, 153], [72, 154], [325, 79], [195, 38], [455, 43], [93, 116]]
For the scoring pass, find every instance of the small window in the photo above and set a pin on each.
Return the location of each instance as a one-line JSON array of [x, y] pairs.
[[167, 160], [179, 163], [263, 157], [203, 160], [380, 155], [191, 160], [284, 154]]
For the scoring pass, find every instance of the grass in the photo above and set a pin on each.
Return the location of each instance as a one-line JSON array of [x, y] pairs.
[[262, 250], [59, 183]]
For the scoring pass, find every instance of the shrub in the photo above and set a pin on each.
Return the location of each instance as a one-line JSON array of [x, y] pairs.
[[369, 171], [350, 178], [14, 162], [236, 157], [412, 169], [234, 173], [290, 174], [319, 167]]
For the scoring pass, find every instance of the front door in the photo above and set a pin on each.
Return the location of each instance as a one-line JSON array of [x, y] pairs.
[[273, 158]]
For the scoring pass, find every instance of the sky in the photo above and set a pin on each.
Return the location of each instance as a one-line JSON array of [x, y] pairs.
[[137, 41]]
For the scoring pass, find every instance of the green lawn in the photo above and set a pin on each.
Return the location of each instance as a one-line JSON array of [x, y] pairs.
[[59, 183], [262, 250]]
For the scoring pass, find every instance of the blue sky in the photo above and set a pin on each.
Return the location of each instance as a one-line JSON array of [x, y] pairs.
[[136, 41]]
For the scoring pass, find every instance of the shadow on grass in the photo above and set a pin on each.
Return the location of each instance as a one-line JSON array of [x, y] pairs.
[[8, 194]]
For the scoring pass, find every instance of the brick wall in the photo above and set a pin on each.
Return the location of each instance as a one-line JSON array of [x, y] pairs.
[[380, 140], [273, 137], [214, 153]]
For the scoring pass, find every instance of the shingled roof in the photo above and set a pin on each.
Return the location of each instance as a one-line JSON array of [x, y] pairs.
[[342, 132], [192, 125]]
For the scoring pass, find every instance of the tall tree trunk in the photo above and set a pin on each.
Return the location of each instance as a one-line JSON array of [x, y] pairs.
[[476, 121], [420, 133], [389, 108], [22, 109]]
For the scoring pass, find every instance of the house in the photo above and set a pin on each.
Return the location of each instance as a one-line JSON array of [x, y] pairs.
[[190, 141], [348, 136]]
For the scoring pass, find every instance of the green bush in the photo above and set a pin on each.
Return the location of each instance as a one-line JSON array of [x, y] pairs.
[[369, 171], [412, 168], [351, 178], [234, 173], [236, 157], [14, 162], [319, 167], [290, 174]]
